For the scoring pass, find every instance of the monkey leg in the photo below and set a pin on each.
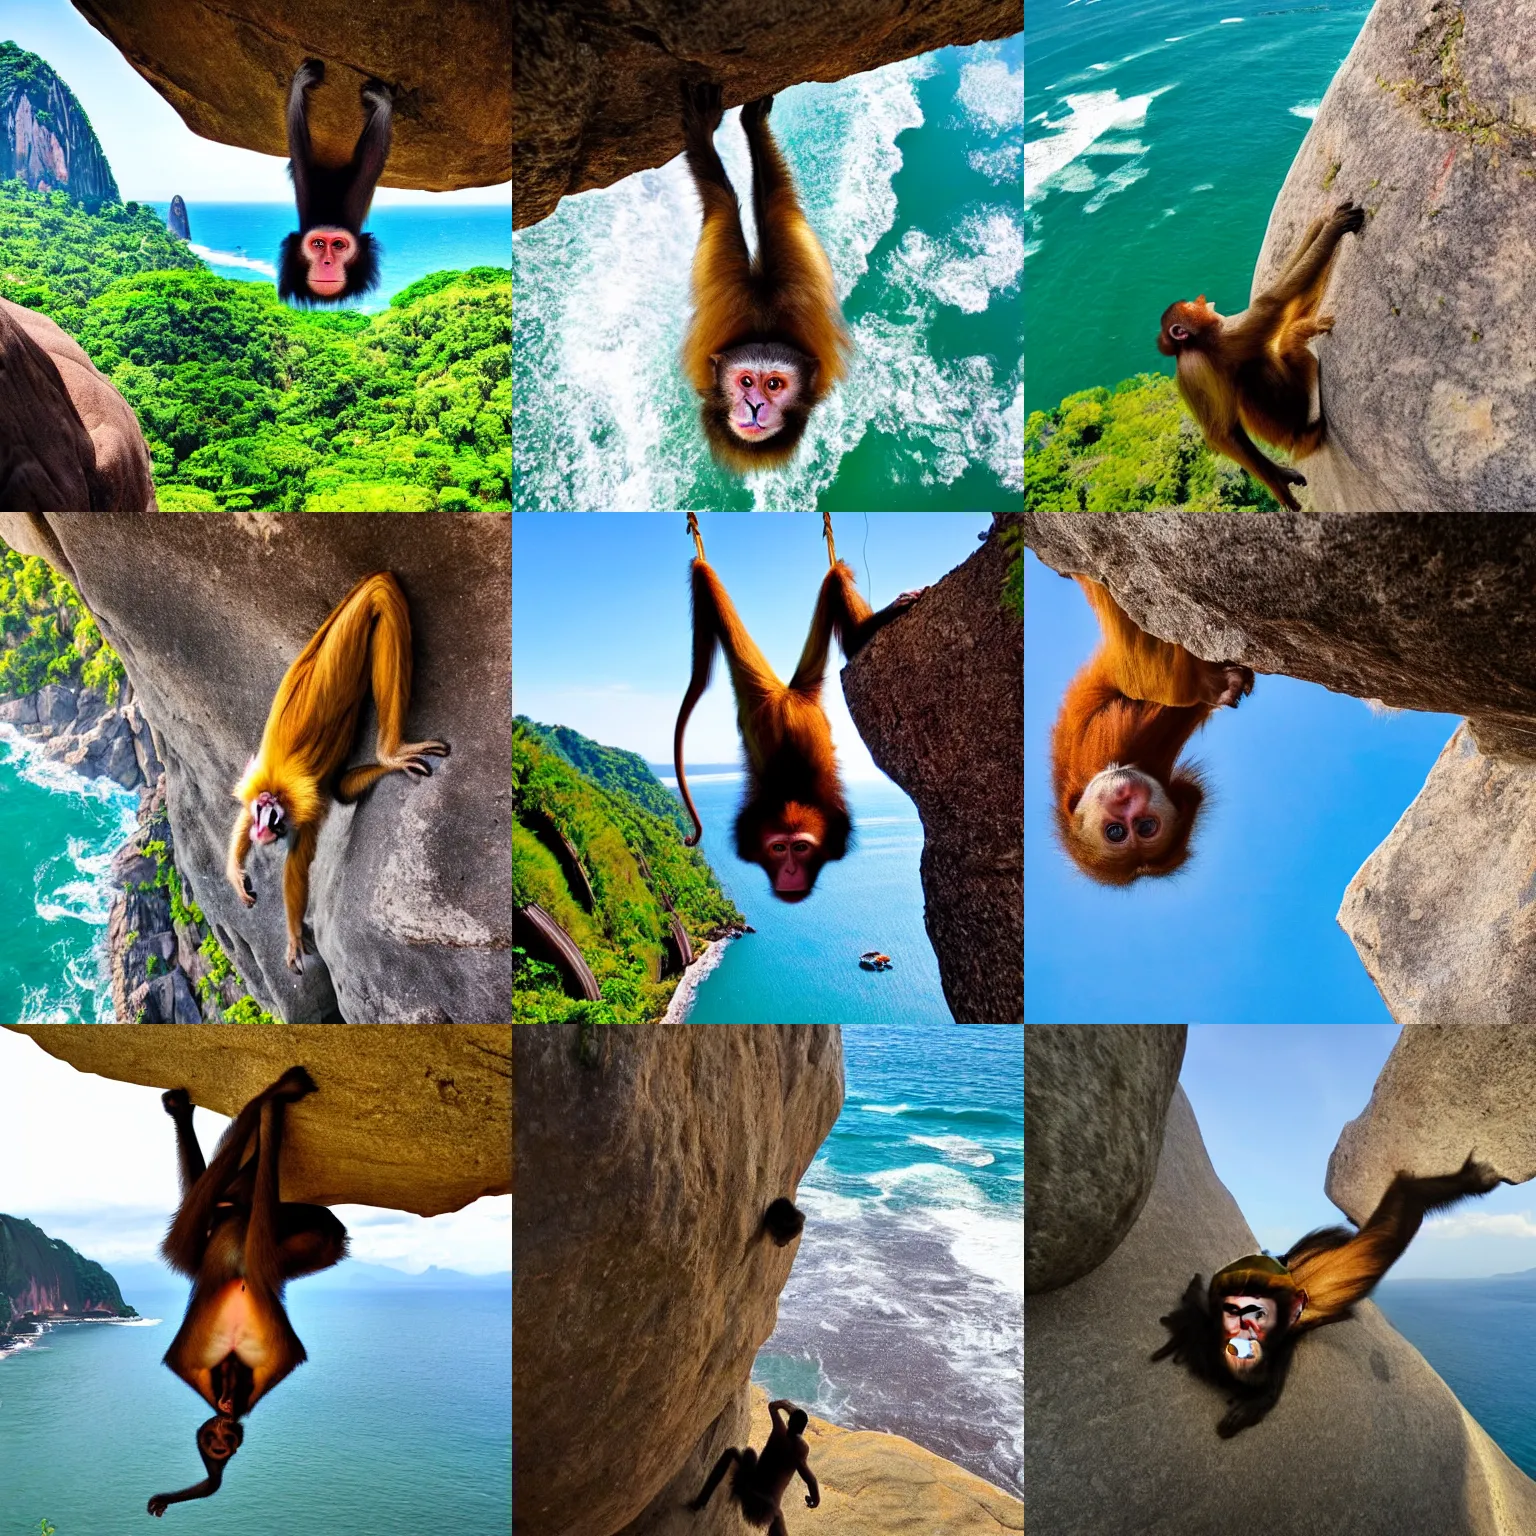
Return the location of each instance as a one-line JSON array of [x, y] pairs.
[[727, 1456], [368, 157], [1307, 275], [189, 1155], [301, 854], [1278, 478]]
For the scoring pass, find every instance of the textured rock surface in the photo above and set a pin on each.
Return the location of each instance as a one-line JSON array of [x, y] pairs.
[[1444, 911], [871, 1485], [68, 440], [1430, 124], [410, 893], [597, 92], [410, 1119], [1426, 612], [938, 697], [643, 1286], [1094, 1105], [224, 65], [1367, 1438], [1445, 1091], [46, 140]]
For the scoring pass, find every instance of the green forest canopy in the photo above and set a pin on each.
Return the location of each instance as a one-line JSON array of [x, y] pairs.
[[247, 404]]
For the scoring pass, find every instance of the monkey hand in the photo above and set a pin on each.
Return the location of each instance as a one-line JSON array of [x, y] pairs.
[[158, 1505], [311, 73], [1235, 681], [702, 109], [756, 111], [299, 945], [1350, 217], [244, 889], [375, 91], [293, 1085], [812, 1500], [177, 1101]]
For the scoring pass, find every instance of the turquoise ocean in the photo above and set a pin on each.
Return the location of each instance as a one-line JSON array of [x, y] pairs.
[[802, 964], [1157, 136], [58, 833], [910, 176], [399, 1423], [240, 240], [904, 1311]]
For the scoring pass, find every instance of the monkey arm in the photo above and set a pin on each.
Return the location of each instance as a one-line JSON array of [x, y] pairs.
[[841, 609], [210, 1485], [239, 852], [775, 207], [301, 854], [727, 1456], [264, 1260], [368, 157], [1237, 445], [300, 156], [813, 1495]]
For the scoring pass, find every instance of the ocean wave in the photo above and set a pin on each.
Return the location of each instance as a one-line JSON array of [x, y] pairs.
[[25, 755], [1090, 115], [983, 257], [957, 1149], [991, 94], [234, 259], [990, 1246]]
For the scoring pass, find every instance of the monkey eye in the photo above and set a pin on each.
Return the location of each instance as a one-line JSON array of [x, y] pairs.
[[1114, 832], [775, 384], [746, 381], [1146, 826]]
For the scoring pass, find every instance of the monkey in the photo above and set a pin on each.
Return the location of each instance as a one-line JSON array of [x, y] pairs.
[[1239, 1335], [287, 787], [783, 1221], [240, 1245], [759, 1481], [329, 258], [1124, 806], [793, 818], [1254, 372], [767, 341]]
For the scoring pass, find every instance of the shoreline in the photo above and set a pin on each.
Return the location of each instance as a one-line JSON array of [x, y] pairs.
[[687, 988]]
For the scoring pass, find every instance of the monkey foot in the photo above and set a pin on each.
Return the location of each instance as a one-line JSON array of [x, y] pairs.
[[702, 108], [247, 892], [177, 1101], [1239, 685], [293, 1085], [756, 110], [312, 72]]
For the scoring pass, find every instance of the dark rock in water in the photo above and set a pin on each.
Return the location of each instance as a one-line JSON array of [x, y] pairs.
[[46, 140], [176, 220]]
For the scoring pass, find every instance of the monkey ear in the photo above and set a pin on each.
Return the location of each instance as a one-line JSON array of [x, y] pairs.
[[714, 366], [812, 370]]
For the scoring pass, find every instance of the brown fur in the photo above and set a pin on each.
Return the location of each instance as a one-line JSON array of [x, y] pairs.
[[1254, 372], [310, 728], [1136, 703], [786, 293]]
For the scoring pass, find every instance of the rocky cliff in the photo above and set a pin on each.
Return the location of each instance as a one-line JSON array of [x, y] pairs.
[[1430, 124], [176, 219], [410, 897], [225, 65], [938, 697], [597, 93], [46, 139], [41, 1275], [1429, 612], [409, 1119]]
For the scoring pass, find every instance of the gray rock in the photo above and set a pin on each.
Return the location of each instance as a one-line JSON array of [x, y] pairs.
[[1367, 1439], [1446, 1092], [938, 697], [106, 752], [410, 897], [20, 711], [170, 1001], [56, 705], [1095, 1098], [1425, 378], [90, 705]]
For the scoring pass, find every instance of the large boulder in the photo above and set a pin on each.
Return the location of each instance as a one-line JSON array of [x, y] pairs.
[[1366, 1439], [938, 697], [1430, 124], [225, 65], [410, 1119], [410, 892], [644, 1284], [1446, 1092], [598, 95], [68, 441], [1094, 1105]]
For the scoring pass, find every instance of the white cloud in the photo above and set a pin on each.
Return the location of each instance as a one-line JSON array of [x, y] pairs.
[[1461, 1224]]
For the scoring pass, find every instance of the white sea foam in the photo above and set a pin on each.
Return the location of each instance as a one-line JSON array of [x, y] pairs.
[[992, 94], [234, 259], [688, 986], [884, 1109], [985, 256], [987, 1245], [1306, 109], [1090, 115], [957, 1149]]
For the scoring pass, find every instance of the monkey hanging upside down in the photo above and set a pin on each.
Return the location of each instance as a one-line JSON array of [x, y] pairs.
[[288, 786]]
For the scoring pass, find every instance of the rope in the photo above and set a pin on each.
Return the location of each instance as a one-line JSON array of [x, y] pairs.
[[826, 533], [693, 528]]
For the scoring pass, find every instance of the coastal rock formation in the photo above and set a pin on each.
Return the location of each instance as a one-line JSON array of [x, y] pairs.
[[1367, 1437], [84, 733], [1445, 1091], [176, 219], [1426, 612], [41, 1274], [597, 94], [410, 891], [938, 697], [409, 1119], [1094, 1105], [1430, 124], [644, 1285], [224, 65], [68, 441], [46, 140]]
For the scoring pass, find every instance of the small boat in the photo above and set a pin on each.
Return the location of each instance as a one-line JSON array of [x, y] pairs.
[[873, 960]]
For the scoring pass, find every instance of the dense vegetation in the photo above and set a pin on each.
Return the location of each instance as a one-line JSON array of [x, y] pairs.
[[249, 405], [46, 634], [623, 936], [612, 768], [1126, 449]]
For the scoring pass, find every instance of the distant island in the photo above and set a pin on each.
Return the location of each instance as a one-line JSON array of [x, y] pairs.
[[43, 1280]]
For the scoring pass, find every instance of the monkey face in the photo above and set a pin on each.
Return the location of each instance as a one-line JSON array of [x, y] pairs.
[[758, 384], [1125, 815], [269, 821], [328, 251], [220, 1437], [792, 859]]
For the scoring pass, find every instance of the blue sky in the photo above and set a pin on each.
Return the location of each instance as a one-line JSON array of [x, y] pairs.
[[1301, 1084], [1306, 784], [600, 612], [153, 154]]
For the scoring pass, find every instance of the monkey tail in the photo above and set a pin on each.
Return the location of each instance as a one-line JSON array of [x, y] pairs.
[[689, 700]]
